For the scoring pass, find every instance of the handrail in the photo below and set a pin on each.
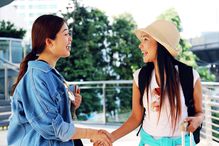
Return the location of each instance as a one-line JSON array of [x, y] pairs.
[[210, 103], [9, 63], [101, 82], [210, 83], [8, 38]]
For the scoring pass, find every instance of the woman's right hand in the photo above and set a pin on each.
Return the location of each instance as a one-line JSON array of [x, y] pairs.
[[101, 138]]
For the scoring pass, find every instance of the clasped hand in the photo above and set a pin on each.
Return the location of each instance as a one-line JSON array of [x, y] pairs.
[[194, 122], [78, 99], [103, 138]]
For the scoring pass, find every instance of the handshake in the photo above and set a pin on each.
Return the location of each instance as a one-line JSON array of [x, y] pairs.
[[102, 138], [97, 137]]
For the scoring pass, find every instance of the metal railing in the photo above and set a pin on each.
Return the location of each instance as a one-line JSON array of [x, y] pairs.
[[11, 52], [210, 128], [103, 86], [8, 44], [6, 66]]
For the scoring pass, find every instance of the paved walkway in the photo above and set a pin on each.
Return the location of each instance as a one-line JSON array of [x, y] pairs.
[[128, 140]]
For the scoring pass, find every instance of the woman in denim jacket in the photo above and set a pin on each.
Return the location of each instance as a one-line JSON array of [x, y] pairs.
[[40, 101]]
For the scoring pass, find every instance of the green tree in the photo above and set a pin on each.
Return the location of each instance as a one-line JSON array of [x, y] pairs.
[[90, 29], [87, 60], [101, 51], [124, 57], [124, 53], [186, 55], [8, 29]]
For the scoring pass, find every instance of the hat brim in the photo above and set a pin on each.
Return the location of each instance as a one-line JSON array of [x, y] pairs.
[[141, 32]]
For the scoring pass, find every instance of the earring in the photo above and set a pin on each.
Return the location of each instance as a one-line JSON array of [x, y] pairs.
[[53, 47]]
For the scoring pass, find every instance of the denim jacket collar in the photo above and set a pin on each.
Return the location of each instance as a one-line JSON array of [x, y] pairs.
[[39, 65]]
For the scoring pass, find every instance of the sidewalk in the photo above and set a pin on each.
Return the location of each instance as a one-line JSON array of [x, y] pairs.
[[128, 140]]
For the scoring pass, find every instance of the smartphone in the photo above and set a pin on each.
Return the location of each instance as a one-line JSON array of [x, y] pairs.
[[73, 90]]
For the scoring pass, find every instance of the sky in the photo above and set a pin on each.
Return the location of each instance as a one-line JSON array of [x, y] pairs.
[[196, 15]]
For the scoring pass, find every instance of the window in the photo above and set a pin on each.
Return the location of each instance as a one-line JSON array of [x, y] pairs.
[[4, 49], [16, 51]]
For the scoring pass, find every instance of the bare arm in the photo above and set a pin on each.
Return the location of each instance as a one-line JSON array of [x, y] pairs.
[[135, 118], [84, 133], [198, 99], [93, 135], [196, 121]]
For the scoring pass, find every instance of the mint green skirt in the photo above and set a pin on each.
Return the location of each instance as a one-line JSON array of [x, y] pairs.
[[147, 139]]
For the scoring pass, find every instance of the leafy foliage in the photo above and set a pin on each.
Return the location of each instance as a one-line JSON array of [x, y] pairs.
[[124, 54], [124, 57], [87, 61], [100, 51], [8, 29]]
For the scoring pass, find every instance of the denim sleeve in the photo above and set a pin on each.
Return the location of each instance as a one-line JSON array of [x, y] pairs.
[[42, 111]]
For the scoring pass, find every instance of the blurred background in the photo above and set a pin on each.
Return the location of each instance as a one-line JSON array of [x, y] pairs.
[[105, 53]]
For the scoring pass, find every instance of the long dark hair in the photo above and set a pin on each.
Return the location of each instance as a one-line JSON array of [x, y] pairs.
[[169, 82], [45, 26]]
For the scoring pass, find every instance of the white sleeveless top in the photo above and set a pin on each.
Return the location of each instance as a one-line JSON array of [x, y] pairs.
[[161, 127]]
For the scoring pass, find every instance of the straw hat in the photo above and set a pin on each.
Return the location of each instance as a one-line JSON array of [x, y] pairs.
[[165, 33]]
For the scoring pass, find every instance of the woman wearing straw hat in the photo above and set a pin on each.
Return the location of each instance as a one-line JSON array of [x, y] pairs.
[[163, 98]]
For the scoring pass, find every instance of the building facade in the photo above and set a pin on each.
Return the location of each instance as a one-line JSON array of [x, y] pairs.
[[23, 12], [206, 47]]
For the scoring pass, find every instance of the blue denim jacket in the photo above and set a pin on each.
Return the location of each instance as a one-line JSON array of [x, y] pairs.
[[40, 109]]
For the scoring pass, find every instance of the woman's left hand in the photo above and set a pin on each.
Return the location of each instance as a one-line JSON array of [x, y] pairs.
[[78, 99], [194, 122]]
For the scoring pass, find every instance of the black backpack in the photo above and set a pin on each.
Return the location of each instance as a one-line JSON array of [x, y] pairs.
[[186, 80]]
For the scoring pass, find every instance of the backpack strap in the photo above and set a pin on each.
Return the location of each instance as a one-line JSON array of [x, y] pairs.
[[186, 80], [143, 78]]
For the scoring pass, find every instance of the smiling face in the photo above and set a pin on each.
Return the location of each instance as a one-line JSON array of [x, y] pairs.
[[148, 47], [61, 44]]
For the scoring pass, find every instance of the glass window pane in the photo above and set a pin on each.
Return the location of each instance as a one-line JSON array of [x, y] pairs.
[[4, 49], [16, 48]]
